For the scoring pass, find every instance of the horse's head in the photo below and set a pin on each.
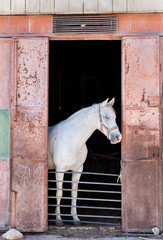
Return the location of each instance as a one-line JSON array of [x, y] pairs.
[[108, 124]]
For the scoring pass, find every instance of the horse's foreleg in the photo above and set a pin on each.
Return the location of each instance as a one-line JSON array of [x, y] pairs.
[[59, 184], [75, 181]]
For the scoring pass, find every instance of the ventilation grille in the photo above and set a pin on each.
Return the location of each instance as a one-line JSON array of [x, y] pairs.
[[84, 24]]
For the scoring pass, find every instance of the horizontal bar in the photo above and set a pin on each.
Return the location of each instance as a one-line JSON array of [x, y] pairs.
[[81, 182], [83, 18], [83, 190], [89, 173], [105, 223], [87, 199], [81, 215], [88, 207]]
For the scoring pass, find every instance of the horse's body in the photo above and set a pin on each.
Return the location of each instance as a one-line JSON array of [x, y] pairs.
[[67, 149]]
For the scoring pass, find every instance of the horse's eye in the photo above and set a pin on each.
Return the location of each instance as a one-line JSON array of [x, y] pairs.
[[107, 117]]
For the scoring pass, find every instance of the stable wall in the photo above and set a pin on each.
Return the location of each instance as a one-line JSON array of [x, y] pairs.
[[24, 54], [43, 25]]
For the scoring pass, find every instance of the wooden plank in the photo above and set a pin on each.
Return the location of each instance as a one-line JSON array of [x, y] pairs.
[[61, 6], [47, 6], [159, 6], [4, 6], [105, 6], [32, 6], [76, 6], [91, 6], [18, 6], [119, 6], [141, 5]]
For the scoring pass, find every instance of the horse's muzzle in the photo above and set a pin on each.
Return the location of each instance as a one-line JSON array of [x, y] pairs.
[[116, 138]]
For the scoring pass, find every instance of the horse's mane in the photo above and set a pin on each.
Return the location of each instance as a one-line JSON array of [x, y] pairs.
[[78, 113]]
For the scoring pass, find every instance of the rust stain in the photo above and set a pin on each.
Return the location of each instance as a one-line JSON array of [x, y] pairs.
[[127, 68], [143, 96], [31, 127]]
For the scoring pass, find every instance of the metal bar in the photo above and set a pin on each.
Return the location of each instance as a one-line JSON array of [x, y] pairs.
[[106, 223], [89, 173], [88, 199], [96, 208], [89, 207], [96, 183], [83, 190], [81, 215]]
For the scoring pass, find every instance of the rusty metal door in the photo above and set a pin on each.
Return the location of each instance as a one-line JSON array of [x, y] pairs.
[[5, 85], [141, 156], [29, 134]]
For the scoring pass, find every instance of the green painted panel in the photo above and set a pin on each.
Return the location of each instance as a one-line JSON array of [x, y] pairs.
[[4, 133]]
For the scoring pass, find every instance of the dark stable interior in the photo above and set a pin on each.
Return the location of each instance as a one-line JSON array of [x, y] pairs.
[[82, 73]]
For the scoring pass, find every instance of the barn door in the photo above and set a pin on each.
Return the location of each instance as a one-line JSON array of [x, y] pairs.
[[29, 134], [141, 182]]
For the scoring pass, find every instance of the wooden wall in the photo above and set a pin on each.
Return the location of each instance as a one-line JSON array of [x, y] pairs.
[[12, 7]]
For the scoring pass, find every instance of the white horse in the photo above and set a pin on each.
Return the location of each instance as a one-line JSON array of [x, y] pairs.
[[67, 149]]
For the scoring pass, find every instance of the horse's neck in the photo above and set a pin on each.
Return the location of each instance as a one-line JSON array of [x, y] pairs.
[[86, 121]]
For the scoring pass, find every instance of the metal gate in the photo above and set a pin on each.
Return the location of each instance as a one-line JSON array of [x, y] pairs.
[[98, 201]]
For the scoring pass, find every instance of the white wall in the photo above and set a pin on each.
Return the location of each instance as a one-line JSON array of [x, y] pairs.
[[10, 7]]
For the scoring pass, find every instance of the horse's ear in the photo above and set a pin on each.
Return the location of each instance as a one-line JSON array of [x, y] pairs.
[[104, 103], [112, 102]]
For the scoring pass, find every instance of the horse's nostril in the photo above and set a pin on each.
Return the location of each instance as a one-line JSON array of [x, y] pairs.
[[118, 137]]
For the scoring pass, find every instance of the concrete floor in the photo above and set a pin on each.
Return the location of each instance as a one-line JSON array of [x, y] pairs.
[[88, 232]]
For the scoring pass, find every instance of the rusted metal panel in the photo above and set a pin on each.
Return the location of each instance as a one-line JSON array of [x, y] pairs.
[[141, 144], [29, 211], [153, 101], [29, 134], [141, 133], [140, 201], [5, 84], [4, 196], [141, 71], [31, 64], [140, 82]]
